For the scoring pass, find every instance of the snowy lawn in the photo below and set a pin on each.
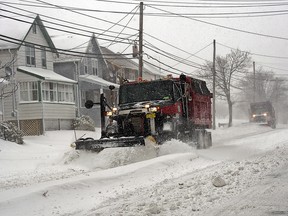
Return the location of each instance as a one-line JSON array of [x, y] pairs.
[[46, 176]]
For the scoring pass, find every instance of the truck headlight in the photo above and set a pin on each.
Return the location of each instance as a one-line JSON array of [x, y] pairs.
[[109, 113], [153, 109], [168, 126]]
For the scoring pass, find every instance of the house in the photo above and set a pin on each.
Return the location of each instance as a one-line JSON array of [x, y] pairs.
[[89, 68], [125, 68], [95, 69], [35, 97]]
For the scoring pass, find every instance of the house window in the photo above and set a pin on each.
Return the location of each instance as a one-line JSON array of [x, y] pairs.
[[65, 93], [28, 91], [89, 95], [49, 91], [30, 55], [43, 57], [94, 67], [85, 65]]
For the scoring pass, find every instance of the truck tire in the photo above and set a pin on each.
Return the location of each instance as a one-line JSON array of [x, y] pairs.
[[208, 139]]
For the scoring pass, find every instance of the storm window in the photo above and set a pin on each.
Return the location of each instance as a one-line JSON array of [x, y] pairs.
[[30, 55], [43, 57], [49, 91], [28, 91], [94, 67], [65, 93]]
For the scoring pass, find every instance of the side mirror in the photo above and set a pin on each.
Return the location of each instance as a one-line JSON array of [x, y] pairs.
[[111, 87], [89, 104]]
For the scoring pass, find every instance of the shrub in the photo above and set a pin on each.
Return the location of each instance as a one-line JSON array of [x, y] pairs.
[[83, 123], [11, 132]]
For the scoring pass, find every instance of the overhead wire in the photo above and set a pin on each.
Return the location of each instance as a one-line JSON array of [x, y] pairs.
[[221, 26], [58, 50], [66, 31], [82, 14], [125, 25], [256, 54], [54, 18], [41, 1], [195, 15]]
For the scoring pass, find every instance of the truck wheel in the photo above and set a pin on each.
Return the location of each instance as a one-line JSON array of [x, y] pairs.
[[208, 139]]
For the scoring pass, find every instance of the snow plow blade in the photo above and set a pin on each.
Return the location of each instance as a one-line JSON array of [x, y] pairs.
[[103, 143]]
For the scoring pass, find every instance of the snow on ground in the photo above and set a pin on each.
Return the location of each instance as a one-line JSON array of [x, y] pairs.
[[46, 176]]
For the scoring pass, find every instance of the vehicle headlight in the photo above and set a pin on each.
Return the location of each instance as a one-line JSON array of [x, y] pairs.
[[109, 113], [253, 115], [114, 109], [153, 109], [147, 106], [265, 114]]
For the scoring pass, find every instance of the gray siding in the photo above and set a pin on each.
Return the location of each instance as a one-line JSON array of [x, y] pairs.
[[67, 69], [59, 111], [37, 38], [30, 111]]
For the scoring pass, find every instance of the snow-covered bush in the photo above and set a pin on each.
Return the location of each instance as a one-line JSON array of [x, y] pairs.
[[9, 131], [83, 123]]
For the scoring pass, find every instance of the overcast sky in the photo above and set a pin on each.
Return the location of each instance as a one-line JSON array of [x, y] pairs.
[[259, 27]]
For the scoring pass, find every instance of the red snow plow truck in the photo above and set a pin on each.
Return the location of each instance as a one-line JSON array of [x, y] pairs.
[[170, 108]]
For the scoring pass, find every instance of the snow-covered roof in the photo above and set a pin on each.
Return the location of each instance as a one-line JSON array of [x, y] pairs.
[[118, 59], [97, 80], [44, 74]]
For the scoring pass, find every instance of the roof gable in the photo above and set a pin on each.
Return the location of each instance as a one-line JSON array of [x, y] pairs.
[[18, 28]]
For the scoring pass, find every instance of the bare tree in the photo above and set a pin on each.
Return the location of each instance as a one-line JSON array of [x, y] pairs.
[[264, 86], [228, 70]]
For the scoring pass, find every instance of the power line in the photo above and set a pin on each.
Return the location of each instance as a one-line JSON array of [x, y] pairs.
[[54, 18], [173, 57], [62, 30], [203, 4], [86, 15], [221, 26], [269, 56], [60, 51], [195, 15], [194, 53], [125, 25]]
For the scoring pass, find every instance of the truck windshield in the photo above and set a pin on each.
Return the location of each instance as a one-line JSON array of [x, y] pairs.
[[146, 91], [260, 107]]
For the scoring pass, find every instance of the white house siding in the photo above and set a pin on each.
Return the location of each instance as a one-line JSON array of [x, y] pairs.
[[8, 106], [59, 111], [37, 38], [59, 116], [30, 111]]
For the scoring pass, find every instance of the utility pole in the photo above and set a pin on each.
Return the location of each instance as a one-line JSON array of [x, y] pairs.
[[254, 82], [214, 85], [141, 41]]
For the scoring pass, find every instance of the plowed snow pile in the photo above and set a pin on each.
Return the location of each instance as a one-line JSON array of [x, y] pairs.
[[114, 157]]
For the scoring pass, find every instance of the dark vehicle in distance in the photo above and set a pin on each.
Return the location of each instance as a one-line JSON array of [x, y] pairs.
[[263, 113]]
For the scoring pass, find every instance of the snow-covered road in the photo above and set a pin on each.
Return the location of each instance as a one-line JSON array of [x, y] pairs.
[[46, 177]]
